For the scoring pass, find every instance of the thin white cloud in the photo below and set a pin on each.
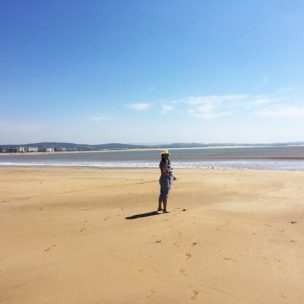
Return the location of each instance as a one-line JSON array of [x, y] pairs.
[[289, 112], [98, 118], [167, 108], [257, 101], [213, 99], [262, 101], [216, 106], [207, 113], [143, 106], [213, 106], [208, 107]]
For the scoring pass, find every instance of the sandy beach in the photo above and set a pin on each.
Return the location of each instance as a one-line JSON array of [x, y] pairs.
[[90, 236]]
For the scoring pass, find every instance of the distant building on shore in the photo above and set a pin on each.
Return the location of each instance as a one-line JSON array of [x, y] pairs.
[[20, 149], [60, 149], [49, 149], [31, 149]]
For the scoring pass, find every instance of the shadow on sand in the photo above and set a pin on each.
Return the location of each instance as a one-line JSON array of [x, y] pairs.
[[136, 216]]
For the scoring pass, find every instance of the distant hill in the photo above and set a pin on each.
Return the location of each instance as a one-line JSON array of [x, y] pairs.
[[59, 146]]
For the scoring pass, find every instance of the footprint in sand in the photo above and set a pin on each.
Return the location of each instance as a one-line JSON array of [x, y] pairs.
[[195, 293], [183, 272], [188, 255], [230, 259], [49, 248], [83, 226]]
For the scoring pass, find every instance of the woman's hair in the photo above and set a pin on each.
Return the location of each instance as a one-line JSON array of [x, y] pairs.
[[164, 158]]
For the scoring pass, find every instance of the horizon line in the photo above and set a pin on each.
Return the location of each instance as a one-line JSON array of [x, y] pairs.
[[157, 144]]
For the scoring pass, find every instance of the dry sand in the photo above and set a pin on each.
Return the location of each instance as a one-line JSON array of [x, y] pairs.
[[231, 237]]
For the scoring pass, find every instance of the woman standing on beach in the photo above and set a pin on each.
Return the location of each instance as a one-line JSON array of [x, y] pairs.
[[165, 180]]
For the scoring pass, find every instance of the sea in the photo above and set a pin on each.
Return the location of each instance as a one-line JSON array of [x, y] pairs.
[[289, 158]]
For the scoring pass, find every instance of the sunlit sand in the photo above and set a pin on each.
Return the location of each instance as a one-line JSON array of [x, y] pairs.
[[93, 236]]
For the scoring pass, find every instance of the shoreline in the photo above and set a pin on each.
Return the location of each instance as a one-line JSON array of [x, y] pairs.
[[150, 169], [222, 165]]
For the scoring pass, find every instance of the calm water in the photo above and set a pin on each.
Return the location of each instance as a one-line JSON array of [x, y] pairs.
[[271, 158]]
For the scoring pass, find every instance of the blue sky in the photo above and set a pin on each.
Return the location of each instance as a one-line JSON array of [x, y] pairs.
[[151, 71]]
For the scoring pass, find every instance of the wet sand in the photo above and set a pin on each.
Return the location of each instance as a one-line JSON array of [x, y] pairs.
[[92, 236]]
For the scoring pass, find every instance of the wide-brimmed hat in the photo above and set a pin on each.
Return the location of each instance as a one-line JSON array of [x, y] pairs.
[[164, 152]]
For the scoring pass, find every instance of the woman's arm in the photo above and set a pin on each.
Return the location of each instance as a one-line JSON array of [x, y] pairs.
[[163, 169]]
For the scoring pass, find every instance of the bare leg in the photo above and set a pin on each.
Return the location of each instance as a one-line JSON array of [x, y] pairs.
[[160, 204], [165, 207]]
